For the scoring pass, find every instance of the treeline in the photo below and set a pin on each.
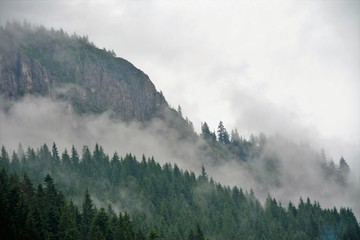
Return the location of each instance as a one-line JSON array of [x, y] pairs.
[[165, 202], [246, 150], [25, 28], [56, 50]]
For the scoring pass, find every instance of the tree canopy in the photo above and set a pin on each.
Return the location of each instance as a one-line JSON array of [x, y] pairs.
[[163, 202]]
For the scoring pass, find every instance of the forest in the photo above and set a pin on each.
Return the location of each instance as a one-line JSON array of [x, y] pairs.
[[94, 196], [85, 193]]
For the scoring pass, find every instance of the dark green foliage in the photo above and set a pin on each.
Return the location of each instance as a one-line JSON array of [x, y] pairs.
[[55, 154], [231, 146], [165, 202], [153, 235], [68, 228], [27, 213], [197, 234], [4, 158], [206, 133], [223, 136], [258, 147]]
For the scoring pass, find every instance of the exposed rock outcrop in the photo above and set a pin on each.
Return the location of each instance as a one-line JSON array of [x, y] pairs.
[[51, 63]]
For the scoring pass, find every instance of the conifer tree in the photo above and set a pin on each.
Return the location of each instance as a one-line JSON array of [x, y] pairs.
[[4, 158], [153, 235], [88, 214], [205, 131], [74, 156], [15, 162], [199, 234], [65, 158], [67, 227], [223, 136], [343, 171], [55, 154]]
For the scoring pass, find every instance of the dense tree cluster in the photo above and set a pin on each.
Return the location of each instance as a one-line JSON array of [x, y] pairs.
[[44, 213], [331, 171], [223, 142], [164, 202], [246, 150]]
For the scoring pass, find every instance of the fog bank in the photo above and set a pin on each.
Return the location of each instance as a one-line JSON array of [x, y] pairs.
[[34, 121]]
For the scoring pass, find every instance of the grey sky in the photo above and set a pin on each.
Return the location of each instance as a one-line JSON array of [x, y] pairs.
[[289, 67]]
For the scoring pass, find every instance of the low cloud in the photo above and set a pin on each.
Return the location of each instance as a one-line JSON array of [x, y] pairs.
[[34, 121]]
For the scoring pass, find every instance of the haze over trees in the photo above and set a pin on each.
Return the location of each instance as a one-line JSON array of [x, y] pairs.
[[49, 192], [160, 202]]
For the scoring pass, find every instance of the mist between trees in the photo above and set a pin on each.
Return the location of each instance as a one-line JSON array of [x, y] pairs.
[[164, 201], [271, 164]]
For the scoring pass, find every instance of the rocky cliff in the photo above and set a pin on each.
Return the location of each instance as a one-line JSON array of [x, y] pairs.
[[38, 61]]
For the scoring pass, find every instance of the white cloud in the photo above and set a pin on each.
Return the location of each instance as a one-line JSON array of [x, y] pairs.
[[37, 120], [220, 60]]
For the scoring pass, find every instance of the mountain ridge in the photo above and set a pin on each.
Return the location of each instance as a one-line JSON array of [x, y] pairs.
[[51, 64], [37, 61]]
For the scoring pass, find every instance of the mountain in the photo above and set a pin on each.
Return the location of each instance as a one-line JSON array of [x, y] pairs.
[[56, 87], [37, 61]]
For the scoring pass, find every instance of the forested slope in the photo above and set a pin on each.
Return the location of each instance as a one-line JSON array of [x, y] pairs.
[[165, 198], [62, 87]]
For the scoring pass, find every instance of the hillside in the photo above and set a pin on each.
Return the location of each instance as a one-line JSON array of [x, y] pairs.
[[37, 61], [166, 199], [56, 87]]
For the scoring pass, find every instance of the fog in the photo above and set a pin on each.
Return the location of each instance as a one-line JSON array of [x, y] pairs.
[[34, 121], [299, 59], [287, 68]]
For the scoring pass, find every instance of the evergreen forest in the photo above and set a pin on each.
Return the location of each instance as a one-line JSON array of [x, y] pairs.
[[79, 94], [48, 195]]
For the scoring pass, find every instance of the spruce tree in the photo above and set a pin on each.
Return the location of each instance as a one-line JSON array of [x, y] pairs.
[[223, 136]]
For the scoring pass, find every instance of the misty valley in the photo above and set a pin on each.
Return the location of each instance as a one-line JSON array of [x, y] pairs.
[[91, 150]]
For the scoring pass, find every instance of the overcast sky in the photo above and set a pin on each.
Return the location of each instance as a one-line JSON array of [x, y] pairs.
[[288, 67]]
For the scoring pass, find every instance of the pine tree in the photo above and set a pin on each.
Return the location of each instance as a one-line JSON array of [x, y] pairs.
[[67, 227], [99, 226], [203, 176], [199, 234], [343, 171], [4, 158], [52, 207], [55, 154], [223, 135], [152, 235], [15, 162], [74, 156], [86, 160], [65, 158], [88, 214], [205, 131]]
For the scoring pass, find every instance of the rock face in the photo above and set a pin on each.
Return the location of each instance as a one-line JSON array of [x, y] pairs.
[[51, 63]]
